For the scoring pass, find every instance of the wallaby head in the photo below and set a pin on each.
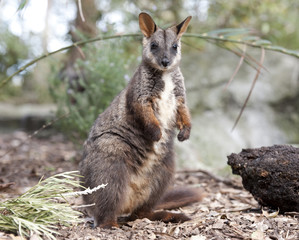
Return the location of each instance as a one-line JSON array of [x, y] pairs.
[[161, 48]]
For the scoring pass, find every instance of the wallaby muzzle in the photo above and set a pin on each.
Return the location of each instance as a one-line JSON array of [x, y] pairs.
[[165, 62]]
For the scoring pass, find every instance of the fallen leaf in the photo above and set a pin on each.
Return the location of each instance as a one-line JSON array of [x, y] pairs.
[[270, 215], [257, 235], [218, 224], [198, 237]]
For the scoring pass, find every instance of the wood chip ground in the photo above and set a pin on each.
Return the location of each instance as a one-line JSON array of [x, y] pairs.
[[227, 211]]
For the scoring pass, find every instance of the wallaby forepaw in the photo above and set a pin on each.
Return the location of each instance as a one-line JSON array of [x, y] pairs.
[[153, 132], [184, 134]]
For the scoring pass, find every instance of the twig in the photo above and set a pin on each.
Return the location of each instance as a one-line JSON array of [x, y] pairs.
[[291, 213], [80, 10], [211, 175], [251, 89], [237, 69], [247, 58], [238, 210], [237, 231], [79, 43], [85, 191], [192, 46], [6, 185], [205, 36], [35, 133], [80, 52], [254, 60]]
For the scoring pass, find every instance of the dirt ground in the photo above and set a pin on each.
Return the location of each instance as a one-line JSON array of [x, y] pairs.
[[227, 211]]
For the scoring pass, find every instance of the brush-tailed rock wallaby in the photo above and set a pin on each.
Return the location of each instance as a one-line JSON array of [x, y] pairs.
[[130, 145]]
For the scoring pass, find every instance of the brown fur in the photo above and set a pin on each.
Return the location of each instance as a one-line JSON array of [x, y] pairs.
[[179, 197], [130, 145]]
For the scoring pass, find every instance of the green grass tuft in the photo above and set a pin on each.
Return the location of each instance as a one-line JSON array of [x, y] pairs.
[[42, 208]]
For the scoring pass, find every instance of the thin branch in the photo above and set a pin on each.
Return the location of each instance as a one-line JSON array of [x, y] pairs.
[[237, 69], [251, 89], [201, 36], [254, 60], [192, 46], [247, 58], [211, 175], [79, 43], [269, 47], [80, 52], [36, 132]]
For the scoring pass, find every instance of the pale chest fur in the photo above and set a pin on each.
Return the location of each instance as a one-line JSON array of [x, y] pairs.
[[166, 106]]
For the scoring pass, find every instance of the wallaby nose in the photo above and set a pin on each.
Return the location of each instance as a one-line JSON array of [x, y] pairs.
[[165, 62]]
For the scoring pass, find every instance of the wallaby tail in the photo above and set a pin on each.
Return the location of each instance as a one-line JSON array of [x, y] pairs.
[[179, 197], [173, 198]]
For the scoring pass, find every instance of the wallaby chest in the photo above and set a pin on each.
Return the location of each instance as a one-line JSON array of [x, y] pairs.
[[166, 103]]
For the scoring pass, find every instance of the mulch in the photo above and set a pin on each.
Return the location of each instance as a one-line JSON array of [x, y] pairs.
[[227, 211]]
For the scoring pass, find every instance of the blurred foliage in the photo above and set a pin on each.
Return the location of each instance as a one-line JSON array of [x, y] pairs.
[[13, 53], [273, 20], [102, 75], [288, 117]]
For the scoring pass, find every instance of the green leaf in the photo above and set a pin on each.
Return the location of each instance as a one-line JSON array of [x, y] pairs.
[[262, 42], [250, 38], [228, 32], [22, 5]]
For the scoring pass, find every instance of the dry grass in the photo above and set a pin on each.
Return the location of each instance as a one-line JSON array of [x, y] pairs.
[[42, 208]]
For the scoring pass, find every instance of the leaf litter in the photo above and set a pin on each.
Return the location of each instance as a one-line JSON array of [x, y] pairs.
[[227, 211]]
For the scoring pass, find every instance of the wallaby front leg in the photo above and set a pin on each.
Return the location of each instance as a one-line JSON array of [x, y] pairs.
[[149, 121], [183, 121]]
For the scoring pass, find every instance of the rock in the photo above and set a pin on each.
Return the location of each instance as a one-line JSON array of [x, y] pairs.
[[270, 174]]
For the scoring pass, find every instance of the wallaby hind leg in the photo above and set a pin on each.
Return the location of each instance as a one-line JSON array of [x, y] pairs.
[[105, 167], [163, 178], [104, 211], [106, 219], [107, 203], [106, 223]]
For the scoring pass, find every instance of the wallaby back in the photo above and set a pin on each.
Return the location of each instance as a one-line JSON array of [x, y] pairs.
[[130, 145]]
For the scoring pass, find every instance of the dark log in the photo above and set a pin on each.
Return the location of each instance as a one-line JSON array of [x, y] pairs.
[[270, 174]]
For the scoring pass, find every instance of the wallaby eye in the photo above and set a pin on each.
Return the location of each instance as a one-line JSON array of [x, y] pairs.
[[154, 45], [175, 46]]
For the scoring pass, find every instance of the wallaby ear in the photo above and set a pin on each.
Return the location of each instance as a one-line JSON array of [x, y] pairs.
[[182, 27], [146, 24]]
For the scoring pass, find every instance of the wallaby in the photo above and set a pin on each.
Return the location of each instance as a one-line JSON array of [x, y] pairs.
[[130, 145]]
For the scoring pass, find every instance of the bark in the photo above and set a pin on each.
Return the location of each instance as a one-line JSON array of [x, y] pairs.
[[270, 174]]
